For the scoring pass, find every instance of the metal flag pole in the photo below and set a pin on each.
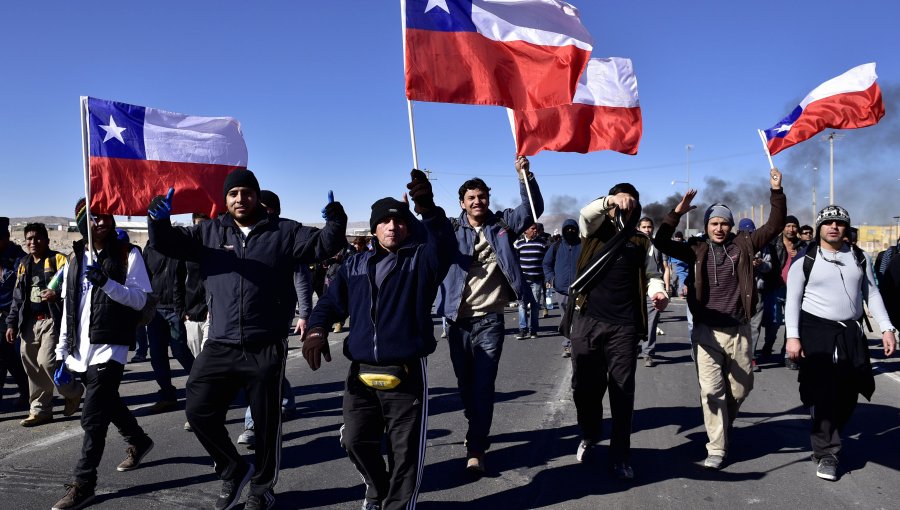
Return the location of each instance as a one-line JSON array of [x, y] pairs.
[[85, 154], [512, 126]]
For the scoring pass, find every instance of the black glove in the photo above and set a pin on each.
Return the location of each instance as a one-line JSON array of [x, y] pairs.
[[334, 211], [315, 345], [420, 191], [94, 273]]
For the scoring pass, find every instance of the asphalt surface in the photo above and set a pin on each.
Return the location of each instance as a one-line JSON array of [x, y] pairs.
[[532, 462]]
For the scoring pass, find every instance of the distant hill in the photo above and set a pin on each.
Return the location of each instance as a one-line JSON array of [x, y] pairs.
[[47, 220]]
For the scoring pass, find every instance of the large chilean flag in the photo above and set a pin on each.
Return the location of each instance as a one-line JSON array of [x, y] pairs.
[[852, 100], [604, 115], [136, 153], [522, 54]]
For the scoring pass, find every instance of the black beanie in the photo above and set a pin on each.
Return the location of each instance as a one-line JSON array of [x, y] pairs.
[[791, 219], [386, 207], [625, 187], [270, 199], [241, 178]]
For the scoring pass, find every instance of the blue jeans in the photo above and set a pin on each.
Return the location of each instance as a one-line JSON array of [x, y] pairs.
[[529, 302], [164, 331], [475, 347], [140, 339], [287, 403]]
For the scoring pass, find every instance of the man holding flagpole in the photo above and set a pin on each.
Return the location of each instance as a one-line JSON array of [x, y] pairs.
[[484, 277], [245, 256]]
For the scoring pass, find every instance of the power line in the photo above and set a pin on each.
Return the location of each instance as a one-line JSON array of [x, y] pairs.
[[638, 169]]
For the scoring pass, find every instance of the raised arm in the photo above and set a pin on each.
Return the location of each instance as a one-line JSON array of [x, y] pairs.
[[312, 244], [777, 213], [521, 218], [663, 239], [176, 242]]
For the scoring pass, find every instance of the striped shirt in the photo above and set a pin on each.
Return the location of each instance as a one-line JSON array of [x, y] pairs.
[[531, 257]]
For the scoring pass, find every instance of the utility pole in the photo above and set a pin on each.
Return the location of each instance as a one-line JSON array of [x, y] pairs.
[[814, 209], [687, 222]]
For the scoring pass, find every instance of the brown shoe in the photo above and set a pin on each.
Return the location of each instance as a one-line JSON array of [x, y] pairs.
[[134, 455], [72, 404], [34, 420], [77, 496], [162, 406]]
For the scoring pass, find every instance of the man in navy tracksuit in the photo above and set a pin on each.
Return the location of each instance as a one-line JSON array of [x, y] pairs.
[[245, 257], [389, 292]]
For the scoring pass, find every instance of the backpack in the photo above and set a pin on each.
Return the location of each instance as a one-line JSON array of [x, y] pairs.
[[809, 258]]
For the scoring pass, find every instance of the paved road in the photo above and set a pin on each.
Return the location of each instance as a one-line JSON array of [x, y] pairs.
[[531, 464]]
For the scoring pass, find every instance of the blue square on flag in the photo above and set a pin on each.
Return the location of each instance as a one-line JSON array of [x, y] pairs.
[[116, 129], [437, 17]]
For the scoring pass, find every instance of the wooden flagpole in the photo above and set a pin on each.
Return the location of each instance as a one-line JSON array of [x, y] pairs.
[[762, 137], [85, 153], [512, 126]]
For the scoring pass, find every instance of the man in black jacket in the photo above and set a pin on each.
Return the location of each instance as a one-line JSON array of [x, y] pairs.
[[166, 329], [10, 361], [245, 257], [387, 386]]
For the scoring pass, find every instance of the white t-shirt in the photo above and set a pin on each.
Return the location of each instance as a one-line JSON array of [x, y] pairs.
[[132, 294]]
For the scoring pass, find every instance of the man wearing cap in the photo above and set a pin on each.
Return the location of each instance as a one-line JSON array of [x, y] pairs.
[[784, 248], [762, 264], [387, 388], [823, 318], [10, 360], [245, 256], [722, 298], [103, 295], [483, 278], [610, 323], [36, 316]]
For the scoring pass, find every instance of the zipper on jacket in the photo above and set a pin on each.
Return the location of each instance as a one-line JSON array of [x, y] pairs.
[[241, 300], [375, 302]]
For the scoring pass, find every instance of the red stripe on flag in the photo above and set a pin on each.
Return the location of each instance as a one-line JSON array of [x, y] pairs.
[[579, 128], [126, 186], [466, 67], [850, 110]]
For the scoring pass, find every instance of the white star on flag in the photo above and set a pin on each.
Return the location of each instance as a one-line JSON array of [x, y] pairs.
[[113, 131], [437, 3], [784, 127]]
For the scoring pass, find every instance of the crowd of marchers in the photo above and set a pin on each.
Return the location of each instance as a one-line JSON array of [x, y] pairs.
[[222, 295]]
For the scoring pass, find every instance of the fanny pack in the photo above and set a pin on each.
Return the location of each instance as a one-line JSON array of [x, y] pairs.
[[382, 377]]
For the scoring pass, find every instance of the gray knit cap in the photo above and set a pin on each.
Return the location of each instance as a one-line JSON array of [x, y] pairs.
[[718, 211]]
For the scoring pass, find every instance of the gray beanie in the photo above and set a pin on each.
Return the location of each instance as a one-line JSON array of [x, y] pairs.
[[718, 211]]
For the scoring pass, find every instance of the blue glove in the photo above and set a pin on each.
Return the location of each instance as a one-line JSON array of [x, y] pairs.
[[94, 273], [61, 376], [161, 208], [334, 211]]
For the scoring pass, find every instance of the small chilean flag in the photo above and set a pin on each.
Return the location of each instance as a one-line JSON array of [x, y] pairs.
[[850, 101], [522, 54], [605, 115], [137, 153]]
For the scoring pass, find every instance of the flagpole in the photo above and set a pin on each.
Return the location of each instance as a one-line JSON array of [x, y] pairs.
[[85, 152], [409, 108], [765, 147], [512, 126]]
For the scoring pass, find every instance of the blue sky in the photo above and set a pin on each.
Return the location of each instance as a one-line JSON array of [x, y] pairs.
[[318, 88]]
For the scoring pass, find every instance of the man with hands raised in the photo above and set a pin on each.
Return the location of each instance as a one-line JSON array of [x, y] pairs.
[[722, 299], [245, 256], [389, 291]]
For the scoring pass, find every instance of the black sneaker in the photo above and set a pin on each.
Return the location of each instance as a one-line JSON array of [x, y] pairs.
[[232, 488], [523, 334], [827, 468], [134, 455], [623, 471], [533, 334], [263, 502], [77, 496]]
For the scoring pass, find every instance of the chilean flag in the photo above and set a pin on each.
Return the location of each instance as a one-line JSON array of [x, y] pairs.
[[522, 54], [850, 101], [136, 153], [604, 115]]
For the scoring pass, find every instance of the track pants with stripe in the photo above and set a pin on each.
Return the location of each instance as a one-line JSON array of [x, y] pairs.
[[402, 414], [219, 372]]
